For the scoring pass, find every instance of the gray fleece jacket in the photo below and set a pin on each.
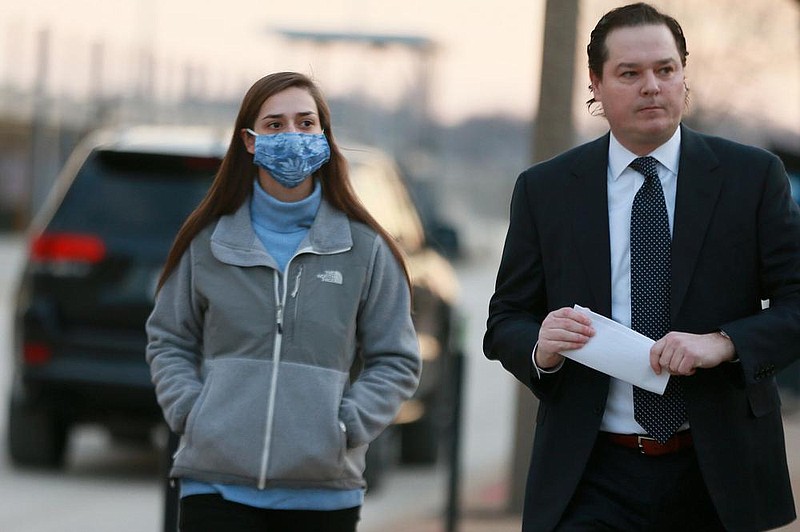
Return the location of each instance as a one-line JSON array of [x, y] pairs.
[[253, 368]]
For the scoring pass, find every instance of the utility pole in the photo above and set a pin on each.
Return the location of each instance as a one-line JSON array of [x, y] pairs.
[[37, 183], [96, 88], [553, 133]]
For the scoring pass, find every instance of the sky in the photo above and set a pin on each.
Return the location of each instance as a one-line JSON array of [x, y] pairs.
[[486, 59]]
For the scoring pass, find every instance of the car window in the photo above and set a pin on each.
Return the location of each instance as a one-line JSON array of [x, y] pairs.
[[794, 180], [384, 195], [138, 195]]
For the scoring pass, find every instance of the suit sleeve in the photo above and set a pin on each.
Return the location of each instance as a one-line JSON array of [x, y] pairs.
[[519, 304], [769, 340]]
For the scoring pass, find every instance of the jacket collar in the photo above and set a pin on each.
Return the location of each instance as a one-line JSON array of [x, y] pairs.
[[699, 186], [234, 241], [590, 220]]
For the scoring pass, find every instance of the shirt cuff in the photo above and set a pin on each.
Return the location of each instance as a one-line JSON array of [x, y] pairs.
[[735, 358], [540, 371]]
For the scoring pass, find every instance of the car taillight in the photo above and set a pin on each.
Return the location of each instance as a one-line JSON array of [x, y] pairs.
[[67, 247], [36, 353]]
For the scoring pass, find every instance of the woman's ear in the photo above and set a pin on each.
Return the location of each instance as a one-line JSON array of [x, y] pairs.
[[248, 139]]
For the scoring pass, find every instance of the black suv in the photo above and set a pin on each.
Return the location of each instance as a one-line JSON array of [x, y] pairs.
[[95, 253]]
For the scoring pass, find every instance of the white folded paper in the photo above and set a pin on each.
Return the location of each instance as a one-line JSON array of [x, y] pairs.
[[620, 352]]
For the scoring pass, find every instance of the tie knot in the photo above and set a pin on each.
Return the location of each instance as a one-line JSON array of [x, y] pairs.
[[645, 166]]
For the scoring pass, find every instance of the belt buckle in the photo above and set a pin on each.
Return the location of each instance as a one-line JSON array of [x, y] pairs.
[[640, 438]]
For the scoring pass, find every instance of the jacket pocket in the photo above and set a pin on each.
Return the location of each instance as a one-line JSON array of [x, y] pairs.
[[225, 429], [763, 398], [307, 440]]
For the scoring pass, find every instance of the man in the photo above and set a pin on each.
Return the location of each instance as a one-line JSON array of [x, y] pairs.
[[679, 236]]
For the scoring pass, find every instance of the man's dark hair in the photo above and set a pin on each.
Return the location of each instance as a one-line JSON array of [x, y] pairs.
[[640, 14]]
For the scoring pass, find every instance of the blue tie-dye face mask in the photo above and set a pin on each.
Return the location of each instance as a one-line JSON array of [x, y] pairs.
[[291, 157]]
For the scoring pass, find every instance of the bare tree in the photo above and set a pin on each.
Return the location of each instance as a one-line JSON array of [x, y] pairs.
[[554, 132]]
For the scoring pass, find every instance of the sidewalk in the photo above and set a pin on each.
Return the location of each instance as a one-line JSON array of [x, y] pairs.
[[483, 511]]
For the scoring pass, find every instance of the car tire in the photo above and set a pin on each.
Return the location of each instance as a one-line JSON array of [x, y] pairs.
[[419, 443], [36, 437]]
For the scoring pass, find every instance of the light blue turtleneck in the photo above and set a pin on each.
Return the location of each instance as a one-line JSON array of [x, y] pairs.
[[282, 226]]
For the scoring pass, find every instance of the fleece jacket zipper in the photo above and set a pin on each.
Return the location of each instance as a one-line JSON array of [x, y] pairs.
[[280, 305], [280, 301]]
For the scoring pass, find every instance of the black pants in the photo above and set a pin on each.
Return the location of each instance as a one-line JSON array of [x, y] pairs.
[[212, 513], [624, 490]]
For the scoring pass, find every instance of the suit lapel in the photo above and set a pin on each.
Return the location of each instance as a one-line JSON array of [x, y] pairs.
[[591, 221], [698, 189]]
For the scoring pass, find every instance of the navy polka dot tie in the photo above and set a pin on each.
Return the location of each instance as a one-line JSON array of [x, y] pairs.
[[659, 415]]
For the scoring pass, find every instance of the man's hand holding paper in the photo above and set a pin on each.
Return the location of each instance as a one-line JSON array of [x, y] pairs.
[[618, 351]]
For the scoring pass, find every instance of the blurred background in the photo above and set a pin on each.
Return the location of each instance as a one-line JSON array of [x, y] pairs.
[[450, 87], [464, 94]]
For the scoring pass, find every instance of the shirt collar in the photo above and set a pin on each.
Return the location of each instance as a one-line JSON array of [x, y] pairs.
[[668, 154]]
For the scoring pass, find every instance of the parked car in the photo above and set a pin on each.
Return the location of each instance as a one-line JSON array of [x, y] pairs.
[[382, 189], [794, 180], [95, 252]]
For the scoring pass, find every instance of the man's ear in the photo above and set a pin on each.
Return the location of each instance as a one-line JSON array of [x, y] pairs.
[[595, 86]]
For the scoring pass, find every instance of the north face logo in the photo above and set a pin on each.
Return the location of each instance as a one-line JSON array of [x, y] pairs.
[[330, 276]]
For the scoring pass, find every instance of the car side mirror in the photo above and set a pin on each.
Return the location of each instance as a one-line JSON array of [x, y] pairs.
[[444, 238]]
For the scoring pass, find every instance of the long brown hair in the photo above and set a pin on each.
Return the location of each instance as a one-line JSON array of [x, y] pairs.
[[234, 180]]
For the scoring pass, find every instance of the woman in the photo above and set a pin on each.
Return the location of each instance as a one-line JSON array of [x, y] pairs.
[[275, 285]]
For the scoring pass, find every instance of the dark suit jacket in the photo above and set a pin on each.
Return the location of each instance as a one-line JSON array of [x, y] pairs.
[[736, 241]]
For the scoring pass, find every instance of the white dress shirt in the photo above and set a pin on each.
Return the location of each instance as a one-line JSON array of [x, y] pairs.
[[623, 183]]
